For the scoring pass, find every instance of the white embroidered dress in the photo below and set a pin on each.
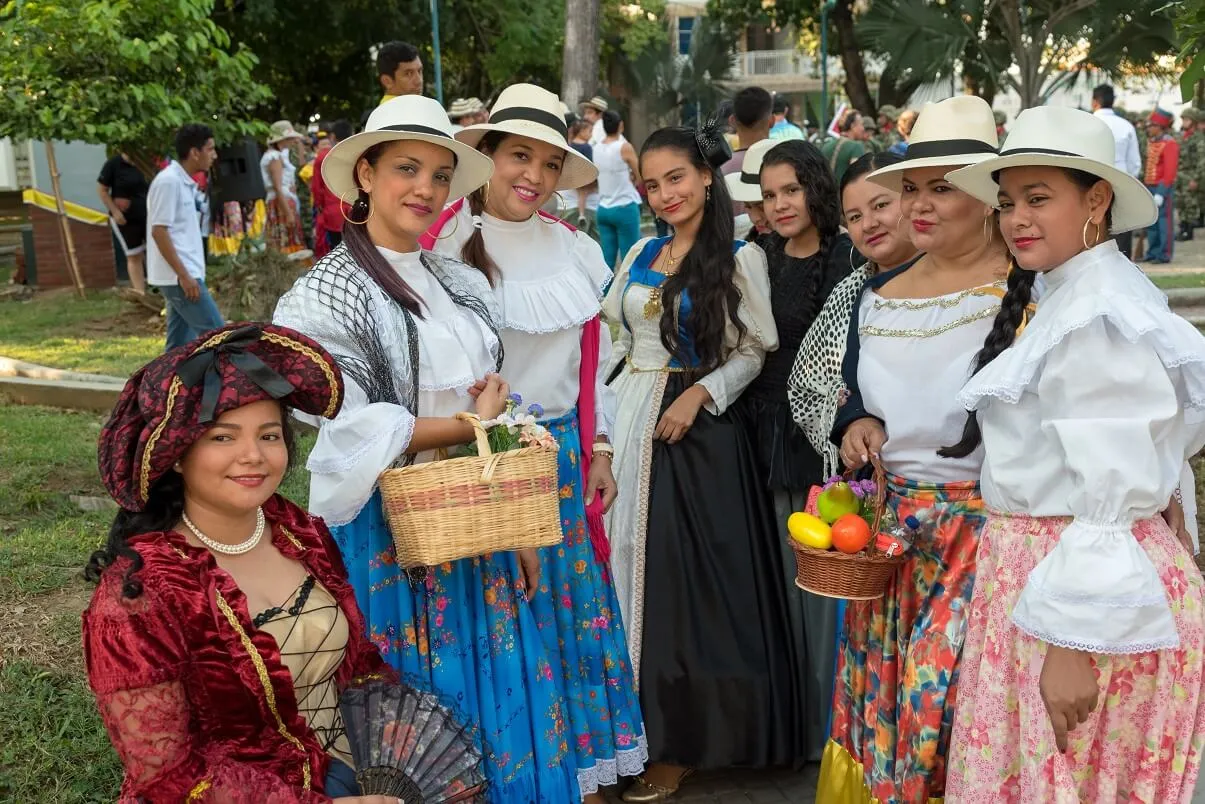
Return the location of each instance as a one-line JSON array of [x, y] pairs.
[[1092, 414]]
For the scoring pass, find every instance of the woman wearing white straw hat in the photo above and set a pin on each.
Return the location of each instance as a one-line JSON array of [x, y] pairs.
[[913, 335], [549, 279], [284, 230], [416, 336], [1083, 664]]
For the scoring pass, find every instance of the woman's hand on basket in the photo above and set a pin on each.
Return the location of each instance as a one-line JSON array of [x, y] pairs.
[[680, 416], [1069, 690], [490, 395], [601, 480], [863, 440], [529, 575]]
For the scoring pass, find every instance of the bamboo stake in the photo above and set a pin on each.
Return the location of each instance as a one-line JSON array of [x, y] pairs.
[[64, 221]]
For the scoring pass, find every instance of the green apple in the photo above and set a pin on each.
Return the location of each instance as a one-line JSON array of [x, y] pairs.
[[836, 501]]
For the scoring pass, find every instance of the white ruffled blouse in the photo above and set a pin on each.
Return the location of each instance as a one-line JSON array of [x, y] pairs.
[[551, 282], [456, 348], [1092, 414]]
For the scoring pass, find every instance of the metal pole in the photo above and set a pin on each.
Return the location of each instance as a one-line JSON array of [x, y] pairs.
[[439, 78], [824, 9]]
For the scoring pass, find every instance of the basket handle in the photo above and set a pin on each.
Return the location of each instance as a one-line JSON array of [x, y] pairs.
[[483, 440], [880, 492]]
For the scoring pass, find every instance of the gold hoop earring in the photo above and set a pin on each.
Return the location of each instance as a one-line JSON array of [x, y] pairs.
[[560, 207], [343, 203], [988, 234], [485, 195], [455, 226], [1095, 232]]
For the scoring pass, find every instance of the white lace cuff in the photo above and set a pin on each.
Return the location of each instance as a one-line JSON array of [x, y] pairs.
[[1097, 591], [349, 455]]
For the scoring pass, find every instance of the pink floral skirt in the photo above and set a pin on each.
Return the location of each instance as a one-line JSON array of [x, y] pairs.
[[1142, 744]]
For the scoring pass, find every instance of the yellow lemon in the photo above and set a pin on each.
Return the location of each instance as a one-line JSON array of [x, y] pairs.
[[810, 531]]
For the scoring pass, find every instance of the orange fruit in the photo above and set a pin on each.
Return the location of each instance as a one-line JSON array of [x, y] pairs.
[[851, 534]]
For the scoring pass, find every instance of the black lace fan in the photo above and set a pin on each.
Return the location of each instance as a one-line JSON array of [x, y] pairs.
[[406, 743]]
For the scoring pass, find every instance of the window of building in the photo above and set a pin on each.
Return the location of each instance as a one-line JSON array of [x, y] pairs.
[[686, 29]]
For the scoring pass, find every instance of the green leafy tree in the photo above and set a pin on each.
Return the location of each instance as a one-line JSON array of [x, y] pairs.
[[1189, 18], [122, 73]]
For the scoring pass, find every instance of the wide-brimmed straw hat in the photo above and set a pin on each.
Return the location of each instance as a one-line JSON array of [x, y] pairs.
[[951, 133], [1067, 138], [407, 117], [282, 130], [527, 110], [597, 102], [745, 186], [460, 107]]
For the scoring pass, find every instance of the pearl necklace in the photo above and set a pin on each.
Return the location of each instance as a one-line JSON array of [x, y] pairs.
[[229, 549]]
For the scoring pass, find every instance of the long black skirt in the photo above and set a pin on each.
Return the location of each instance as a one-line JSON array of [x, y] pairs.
[[721, 664]]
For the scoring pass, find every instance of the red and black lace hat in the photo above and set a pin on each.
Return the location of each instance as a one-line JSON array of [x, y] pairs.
[[170, 402]]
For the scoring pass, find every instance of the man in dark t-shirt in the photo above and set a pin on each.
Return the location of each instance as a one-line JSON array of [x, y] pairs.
[[122, 189]]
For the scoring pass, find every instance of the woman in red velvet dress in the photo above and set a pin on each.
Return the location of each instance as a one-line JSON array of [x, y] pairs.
[[222, 629]]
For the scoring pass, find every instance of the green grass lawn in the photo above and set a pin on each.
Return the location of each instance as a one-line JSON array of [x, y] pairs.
[[1184, 280], [100, 334]]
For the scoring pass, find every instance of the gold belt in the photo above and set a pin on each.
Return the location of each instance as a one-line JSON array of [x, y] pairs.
[[662, 370]]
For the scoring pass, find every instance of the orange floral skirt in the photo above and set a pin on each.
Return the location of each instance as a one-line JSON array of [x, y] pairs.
[[1142, 744]]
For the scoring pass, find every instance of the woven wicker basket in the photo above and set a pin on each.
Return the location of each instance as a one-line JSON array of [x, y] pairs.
[[850, 576], [462, 507]]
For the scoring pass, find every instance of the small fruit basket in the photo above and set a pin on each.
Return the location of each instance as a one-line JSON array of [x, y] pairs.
[[847, 544]]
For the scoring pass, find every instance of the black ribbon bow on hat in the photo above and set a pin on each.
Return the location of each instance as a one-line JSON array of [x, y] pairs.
[[204, 365]]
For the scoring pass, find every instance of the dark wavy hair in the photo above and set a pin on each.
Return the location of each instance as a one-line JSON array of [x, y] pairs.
[[865, 165], [1004, 328], [823, 204], [708, 270], [164, 507]]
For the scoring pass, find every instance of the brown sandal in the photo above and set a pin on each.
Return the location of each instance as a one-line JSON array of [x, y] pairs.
[[645, 791]]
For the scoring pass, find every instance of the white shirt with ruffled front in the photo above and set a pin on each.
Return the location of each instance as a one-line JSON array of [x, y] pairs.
[[1092, 414], [551, 282]]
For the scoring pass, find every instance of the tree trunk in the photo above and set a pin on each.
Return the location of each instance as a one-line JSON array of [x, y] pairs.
[[579, 69], [856, 85]]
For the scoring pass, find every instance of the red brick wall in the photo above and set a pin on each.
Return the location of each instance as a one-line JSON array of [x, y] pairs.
[[93, 251]]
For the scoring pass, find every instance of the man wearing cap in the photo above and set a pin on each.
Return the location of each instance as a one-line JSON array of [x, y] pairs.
[[458, 111], [1191, 176], [1162, 165], [592, 112]]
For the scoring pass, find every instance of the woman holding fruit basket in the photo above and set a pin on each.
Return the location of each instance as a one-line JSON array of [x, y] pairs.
[[914, 333], [416, 337]]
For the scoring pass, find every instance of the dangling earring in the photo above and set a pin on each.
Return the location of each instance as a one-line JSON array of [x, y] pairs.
[[560, 207], [455, 226], [357, 203], [1095, 232], [988, 235], [708, 197], [485, 195]]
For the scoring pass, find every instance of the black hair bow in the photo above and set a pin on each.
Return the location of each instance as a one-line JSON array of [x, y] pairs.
[[204, 365]]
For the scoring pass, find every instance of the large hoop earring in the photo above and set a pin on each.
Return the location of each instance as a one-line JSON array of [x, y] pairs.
[[988, 235], [485, 195], [455, 226], [1095, 232], [560, 207], [343, 202]]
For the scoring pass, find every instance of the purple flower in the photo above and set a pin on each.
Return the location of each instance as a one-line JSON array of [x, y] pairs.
[[516, 399], [536, 409]]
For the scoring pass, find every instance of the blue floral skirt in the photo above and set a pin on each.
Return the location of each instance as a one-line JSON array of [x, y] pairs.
[[470, 632], [579, 620]]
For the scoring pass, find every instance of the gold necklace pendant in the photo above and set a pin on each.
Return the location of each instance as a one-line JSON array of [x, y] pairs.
[[652, 307]]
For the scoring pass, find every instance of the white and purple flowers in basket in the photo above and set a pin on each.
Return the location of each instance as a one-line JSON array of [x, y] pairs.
[[513, 429]]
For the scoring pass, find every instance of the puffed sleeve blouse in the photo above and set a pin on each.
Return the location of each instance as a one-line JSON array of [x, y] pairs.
[[1092, 415]]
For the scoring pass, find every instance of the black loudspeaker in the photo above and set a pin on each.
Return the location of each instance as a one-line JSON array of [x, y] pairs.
[[236, 175]]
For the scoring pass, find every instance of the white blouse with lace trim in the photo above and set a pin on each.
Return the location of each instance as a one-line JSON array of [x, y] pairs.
[[1092, 414], [455, 349], [915, 355], [551, 282]]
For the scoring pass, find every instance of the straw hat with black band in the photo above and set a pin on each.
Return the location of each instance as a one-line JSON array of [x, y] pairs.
[[406, 117], [746, 185], [952, 133], [527, 110], [1066, 138]]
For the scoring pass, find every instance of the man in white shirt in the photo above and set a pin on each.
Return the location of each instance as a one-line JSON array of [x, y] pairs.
[[175, 245], [592, 112], [1126, 157]]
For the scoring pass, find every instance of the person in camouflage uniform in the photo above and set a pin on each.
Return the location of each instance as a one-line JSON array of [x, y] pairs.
[[1190, 181], [888, 135]]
